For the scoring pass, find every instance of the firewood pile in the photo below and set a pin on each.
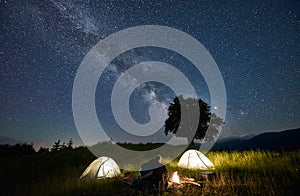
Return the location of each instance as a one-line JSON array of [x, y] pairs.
[[177, 181]]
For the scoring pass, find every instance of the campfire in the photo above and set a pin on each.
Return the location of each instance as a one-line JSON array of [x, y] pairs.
[[175, 178], [179, 181]]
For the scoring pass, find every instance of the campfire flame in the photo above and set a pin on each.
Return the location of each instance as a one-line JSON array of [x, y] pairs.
[[175, 178]]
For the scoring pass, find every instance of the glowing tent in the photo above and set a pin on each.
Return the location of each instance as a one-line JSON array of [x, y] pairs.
[[103, 167], [193, 159]]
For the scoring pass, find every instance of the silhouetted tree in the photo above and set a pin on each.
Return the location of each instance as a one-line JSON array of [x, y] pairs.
[[215, 123], [56, 146], [63, 146], [42, 150], [194, 122], [70, 144]]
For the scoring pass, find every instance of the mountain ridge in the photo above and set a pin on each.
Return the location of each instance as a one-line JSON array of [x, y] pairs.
[[283, 140], [9, 140]]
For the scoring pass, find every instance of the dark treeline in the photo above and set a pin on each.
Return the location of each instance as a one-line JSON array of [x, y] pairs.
[[16, 150], [140, 146], [19, 149]]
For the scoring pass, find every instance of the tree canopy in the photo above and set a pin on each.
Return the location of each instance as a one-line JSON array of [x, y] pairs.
[[190, 118]]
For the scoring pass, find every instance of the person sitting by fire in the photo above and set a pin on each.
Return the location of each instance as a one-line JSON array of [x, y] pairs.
[[153, 175]]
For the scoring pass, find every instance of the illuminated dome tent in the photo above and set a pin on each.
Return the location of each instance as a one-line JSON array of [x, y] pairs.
[[103, 167], [194, 159]]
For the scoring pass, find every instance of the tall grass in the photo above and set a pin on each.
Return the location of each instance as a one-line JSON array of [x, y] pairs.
[[237, 173], [255, 173]]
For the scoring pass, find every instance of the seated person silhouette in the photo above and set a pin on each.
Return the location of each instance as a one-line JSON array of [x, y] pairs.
[[153, 175]]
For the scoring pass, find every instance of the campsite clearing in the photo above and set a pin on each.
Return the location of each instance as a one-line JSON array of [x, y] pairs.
[[236, 173]]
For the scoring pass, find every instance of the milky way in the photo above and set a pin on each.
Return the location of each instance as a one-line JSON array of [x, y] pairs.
[[255, 45]]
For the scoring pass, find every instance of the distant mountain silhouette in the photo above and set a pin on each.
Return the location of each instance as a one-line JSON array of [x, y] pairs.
[[9, 140], [284, 140], [246, 137]]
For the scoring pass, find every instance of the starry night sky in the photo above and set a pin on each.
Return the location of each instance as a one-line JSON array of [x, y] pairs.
[[255, 45]]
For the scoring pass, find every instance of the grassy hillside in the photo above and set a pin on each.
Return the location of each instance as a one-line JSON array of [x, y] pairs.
[[237, 173]]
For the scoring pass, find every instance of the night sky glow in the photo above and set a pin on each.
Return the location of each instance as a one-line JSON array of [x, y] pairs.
[[255, 45]]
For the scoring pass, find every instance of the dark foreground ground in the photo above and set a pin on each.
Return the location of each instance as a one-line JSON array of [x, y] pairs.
[[237, 173]]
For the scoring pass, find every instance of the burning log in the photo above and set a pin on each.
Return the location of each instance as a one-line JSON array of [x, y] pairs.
[[175, 178], [179, 181]]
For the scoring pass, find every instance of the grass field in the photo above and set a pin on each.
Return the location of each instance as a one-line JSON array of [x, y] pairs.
[[237, 173]]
